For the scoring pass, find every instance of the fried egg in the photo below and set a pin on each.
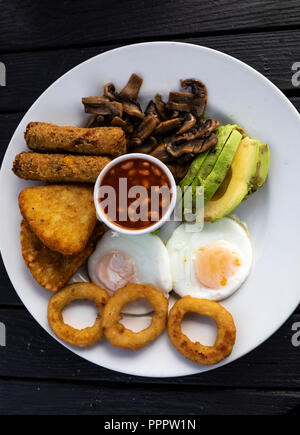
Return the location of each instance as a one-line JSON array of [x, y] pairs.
[[212, 263], [120, 259]]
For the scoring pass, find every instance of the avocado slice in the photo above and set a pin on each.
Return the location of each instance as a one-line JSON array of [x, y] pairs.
[[223, 133], [204, 162], [262, 169], [219, 171], [193, 170], [239, 181], [262, 166]]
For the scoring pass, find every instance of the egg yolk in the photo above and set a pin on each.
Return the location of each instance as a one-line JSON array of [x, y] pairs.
[[215, 264], [115, 270]]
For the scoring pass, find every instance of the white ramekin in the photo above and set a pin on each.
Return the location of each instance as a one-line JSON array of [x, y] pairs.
[[102, 217]]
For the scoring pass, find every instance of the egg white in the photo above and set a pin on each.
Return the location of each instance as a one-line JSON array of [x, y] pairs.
[[184, 245], [150, 257]]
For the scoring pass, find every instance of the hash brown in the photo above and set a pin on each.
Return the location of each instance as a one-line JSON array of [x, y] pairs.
[[51, 269], [61, 216]]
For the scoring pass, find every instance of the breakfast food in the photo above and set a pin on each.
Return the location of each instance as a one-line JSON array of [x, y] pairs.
[[210, 264], [77, 337], [59, 168], [122, 337], [134, 274], [51, 269], [120, 259], [147, 191], [41, 136], [62, 216], [197, 352]]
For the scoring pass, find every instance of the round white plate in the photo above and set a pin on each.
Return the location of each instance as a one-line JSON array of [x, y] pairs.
[[237, 93]]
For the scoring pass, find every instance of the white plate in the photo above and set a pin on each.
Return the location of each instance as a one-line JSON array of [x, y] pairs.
[[237, 93]]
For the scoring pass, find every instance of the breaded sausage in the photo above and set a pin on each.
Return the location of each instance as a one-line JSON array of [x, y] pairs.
[[57, 168], [41, 136]]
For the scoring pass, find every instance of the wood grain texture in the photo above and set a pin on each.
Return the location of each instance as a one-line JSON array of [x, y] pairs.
[[98, 398], [24, 25], [32, 353], [29, 74]]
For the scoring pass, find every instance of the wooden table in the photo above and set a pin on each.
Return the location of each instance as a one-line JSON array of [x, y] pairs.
[[38, 44]]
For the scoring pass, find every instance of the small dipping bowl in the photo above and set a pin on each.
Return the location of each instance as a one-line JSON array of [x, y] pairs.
[[102, 216]]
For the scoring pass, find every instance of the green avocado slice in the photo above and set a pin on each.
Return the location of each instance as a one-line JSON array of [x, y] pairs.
[[262, 165], [223, 133], [218, 173], [204, 162], [193, 170], [239, 181]]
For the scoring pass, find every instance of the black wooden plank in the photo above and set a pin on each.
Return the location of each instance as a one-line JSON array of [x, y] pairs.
[[30, 73], [31, 353], [32, 25], [97, 398]]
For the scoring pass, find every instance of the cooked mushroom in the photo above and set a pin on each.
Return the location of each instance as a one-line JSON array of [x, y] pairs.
[[188, 123], [119, 122], [102, 106], [203, 129], [198, 88], [148, 147], [166, 127], [161, 107], [110, 91], [194, 102], [161, 153], [152, 110], [195, 146], [131, 90], [145, 128], [133, 109], [199, 91], [178, 171]]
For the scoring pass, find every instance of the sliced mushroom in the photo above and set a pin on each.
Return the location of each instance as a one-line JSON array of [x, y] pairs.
[[195, 146], [199, 91], [145, 128], [188, 123], [198, 88], [161, 107], [148, 147], [119, 122], [203, 129], [161, 153], [209, 142], [166, 127], [181, 101], [133, 109], [179, 171], [110, 91], [102, 106], [152, 110], [131, 90]]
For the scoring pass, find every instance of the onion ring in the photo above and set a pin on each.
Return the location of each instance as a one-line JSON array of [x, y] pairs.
[[195, 351], [120, 336], [77, 337]]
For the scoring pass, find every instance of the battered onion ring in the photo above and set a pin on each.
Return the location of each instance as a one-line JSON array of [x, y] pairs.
[[195, 351], [120, 336], [79, 290]]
